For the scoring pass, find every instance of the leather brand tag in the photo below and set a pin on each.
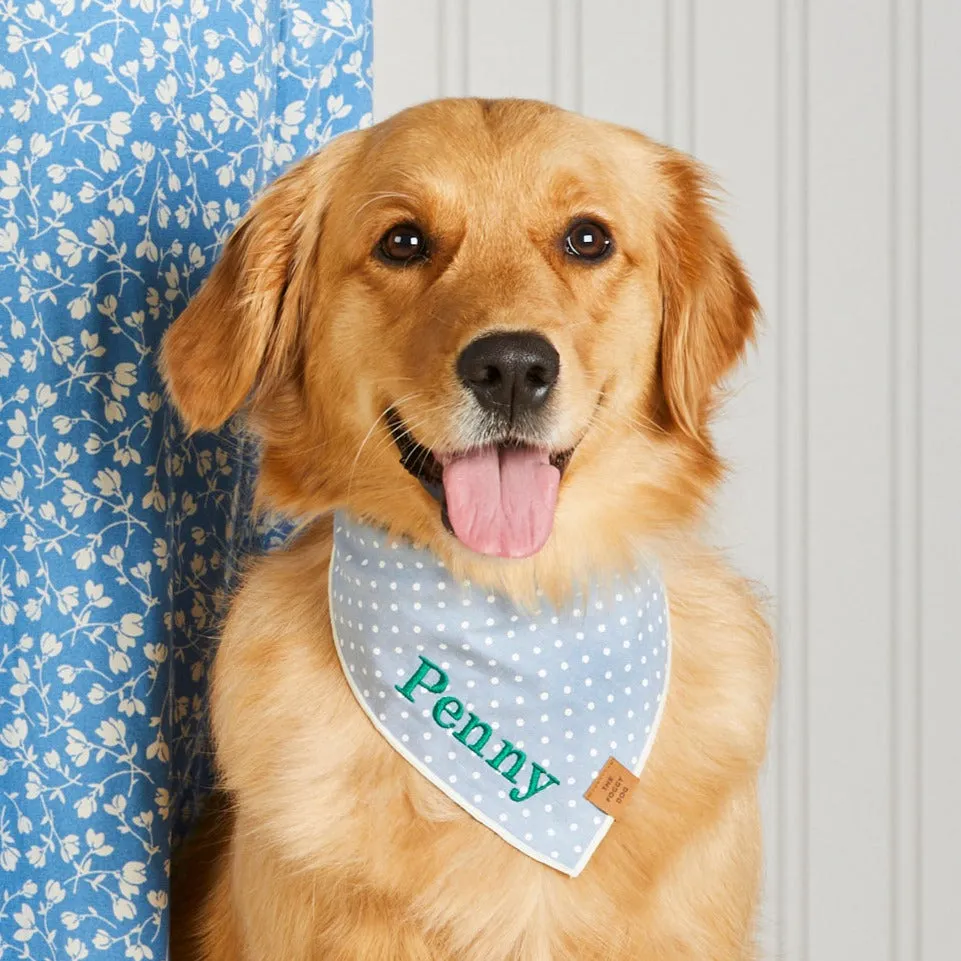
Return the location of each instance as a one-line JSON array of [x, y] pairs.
[[612, 788]]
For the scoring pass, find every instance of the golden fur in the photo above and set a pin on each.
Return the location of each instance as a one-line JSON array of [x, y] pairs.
[[329, 845]]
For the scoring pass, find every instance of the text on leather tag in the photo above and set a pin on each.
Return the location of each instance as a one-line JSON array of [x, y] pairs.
[[612, 788]]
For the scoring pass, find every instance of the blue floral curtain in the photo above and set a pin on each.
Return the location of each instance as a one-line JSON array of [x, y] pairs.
[[133, 134]]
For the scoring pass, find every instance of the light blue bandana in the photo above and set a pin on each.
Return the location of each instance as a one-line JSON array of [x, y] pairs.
[[511, 714]]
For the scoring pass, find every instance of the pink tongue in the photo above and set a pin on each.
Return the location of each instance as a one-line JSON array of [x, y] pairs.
[[502, 502]]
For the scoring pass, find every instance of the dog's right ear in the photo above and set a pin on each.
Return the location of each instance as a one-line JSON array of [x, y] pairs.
[[240, 332]]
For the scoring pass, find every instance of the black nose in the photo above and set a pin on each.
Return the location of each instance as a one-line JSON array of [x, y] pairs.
[[510, 374]]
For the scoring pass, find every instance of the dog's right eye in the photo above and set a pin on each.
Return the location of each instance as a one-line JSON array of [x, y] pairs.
[[402, 245]]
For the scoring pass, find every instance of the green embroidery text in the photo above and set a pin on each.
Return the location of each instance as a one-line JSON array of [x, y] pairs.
[[509, 760]]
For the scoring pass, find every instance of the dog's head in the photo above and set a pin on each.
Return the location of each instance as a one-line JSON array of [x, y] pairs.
[[486, 324]]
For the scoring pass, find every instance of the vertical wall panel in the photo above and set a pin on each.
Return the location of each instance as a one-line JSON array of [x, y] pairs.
[[567, 50], [940, 469], [452, 57], [680, 65], [905, 915], [849, 359], [624, 61], [510, 48], [407, 69], [733, 123], [792, 457]]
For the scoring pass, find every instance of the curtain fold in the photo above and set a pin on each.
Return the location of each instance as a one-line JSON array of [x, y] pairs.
[[133, 134]]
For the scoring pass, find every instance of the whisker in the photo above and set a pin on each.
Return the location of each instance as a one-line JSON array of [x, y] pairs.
[[367, 436]]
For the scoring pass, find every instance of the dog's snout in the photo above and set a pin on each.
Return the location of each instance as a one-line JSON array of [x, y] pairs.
[[510, 373]]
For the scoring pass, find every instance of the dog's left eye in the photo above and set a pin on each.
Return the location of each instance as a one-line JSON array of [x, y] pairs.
[[587, 240], [403, 244]]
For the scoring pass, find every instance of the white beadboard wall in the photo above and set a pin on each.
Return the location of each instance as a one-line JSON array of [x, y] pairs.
[[836, 130]]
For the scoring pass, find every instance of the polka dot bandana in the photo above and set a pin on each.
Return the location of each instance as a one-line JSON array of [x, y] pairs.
[[512, 714]]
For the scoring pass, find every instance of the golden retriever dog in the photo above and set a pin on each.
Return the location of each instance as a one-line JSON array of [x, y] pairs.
[[518, 295]]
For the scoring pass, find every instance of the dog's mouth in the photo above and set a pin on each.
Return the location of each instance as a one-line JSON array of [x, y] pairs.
[[498, 499]]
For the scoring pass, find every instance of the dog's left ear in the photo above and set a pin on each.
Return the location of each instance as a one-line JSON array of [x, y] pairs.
[[709, 307]]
